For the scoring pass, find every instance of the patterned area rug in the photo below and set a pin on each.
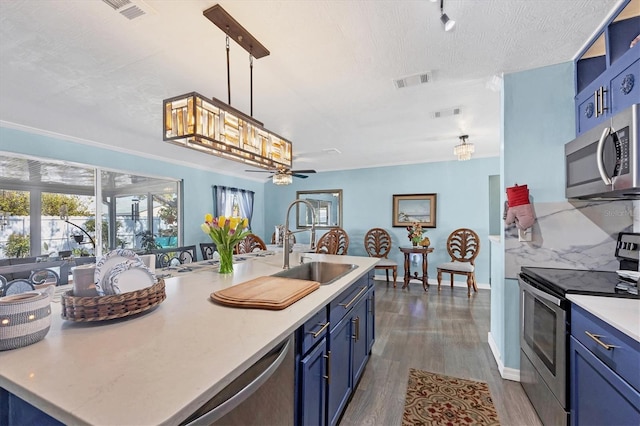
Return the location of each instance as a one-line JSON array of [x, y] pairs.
[[434, 399]]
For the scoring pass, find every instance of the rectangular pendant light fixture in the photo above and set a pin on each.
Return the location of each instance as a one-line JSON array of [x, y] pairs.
[[211, 126], [214, 127]]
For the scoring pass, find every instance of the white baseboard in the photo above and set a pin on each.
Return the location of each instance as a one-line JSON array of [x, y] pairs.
[[505, 372], [511, 374], [431, 282], [495, 352]]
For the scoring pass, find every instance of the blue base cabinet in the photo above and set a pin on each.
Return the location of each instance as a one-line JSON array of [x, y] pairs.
[[15, 411], [340, 373], [360, 353], [348, 346], [371, 314], [312, 380], [328, 371], [4, 407], [311, 370], [605, 373], [601, 397]]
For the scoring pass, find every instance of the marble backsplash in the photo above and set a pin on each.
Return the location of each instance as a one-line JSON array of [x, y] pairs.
[[571, 234]]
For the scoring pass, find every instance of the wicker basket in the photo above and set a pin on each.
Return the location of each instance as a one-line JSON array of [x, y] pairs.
[[101, 308]]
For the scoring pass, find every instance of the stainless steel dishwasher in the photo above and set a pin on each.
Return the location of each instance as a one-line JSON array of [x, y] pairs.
[[262, 395]]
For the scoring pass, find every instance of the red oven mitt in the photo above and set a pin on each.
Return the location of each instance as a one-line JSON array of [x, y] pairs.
[[520, 209]]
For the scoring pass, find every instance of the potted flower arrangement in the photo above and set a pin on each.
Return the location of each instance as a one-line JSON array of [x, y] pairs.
[[415, 233], [226, 232]]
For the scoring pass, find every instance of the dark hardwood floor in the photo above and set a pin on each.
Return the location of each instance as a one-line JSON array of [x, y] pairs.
[[443, 333]]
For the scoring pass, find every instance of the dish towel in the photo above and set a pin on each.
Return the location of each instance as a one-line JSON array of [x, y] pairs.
[[520, 210]]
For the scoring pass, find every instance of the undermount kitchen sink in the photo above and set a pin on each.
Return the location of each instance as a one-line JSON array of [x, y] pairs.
[[322, 272]]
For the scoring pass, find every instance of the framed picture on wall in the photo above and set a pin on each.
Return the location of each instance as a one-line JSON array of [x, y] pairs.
[[410, 208]]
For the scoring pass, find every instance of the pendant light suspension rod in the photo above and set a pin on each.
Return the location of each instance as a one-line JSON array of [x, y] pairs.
[[228, 75], [251, 84]]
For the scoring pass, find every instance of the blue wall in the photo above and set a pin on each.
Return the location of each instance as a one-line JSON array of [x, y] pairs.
[[198, 196], [538, 119], [462, 189]]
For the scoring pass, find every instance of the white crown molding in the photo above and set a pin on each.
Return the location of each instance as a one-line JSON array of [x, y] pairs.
[[88, 142]]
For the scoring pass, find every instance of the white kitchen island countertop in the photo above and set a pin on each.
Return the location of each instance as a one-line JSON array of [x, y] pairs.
[[159, 367], [623, 314]]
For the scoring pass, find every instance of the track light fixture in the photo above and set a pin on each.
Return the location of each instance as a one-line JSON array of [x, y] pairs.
[[444, 18]]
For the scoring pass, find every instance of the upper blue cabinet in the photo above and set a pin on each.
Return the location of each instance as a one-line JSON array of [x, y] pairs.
[[608, 69]]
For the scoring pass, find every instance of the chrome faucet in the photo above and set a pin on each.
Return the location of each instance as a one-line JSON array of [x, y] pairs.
[[287, 233]]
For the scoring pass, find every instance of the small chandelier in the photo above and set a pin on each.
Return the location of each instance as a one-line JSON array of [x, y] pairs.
[[281, 177], [464, 150]]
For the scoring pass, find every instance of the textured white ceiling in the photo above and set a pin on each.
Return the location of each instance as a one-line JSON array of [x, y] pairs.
[[80, 69]]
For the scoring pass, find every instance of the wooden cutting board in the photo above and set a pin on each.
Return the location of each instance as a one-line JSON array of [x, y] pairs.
[[265, 293]]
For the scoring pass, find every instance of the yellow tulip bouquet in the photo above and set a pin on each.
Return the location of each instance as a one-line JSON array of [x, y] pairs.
[[226, 232]]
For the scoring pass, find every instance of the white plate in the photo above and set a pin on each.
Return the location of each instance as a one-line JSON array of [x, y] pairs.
[[129, 276], [105, 286], [634, 275], [111, 259]]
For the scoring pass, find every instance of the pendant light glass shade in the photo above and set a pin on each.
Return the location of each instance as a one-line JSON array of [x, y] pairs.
[[282, 179], [211, 126]]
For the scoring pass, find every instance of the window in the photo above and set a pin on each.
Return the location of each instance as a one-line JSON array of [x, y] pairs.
[[72, 233], [34, 222], [232, 202], [14, 227]]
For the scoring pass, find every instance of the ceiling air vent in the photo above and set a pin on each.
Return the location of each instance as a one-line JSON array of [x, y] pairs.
[[130, 9], [117, 4], [447, 112], [413, 80]]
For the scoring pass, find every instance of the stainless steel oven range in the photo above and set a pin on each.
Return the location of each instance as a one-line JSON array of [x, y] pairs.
[[545, 322]]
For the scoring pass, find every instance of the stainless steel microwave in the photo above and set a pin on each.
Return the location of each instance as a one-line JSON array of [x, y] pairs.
[[604, 162]]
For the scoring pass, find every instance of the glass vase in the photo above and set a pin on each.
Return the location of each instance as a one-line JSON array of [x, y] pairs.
[[226, 260]]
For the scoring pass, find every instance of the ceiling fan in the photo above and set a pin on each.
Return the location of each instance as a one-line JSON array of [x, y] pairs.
[[283, 176]]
